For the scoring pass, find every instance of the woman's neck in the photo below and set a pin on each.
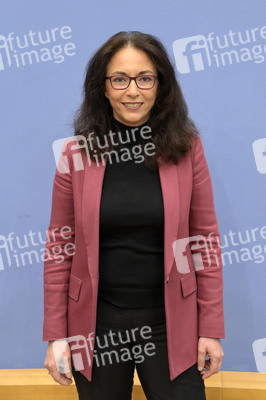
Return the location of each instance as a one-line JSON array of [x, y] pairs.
[[125, 126]]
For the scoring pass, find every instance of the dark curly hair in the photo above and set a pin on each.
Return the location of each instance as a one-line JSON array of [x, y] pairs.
[[172, 128]]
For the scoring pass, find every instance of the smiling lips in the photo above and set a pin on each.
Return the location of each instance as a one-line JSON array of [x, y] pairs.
[[132, 106]]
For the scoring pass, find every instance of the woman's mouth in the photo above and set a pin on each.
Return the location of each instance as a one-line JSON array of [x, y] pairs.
[[132, 106]]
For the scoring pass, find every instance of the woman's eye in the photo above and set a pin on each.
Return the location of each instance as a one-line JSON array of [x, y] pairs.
[[119, 79], [146, 79]]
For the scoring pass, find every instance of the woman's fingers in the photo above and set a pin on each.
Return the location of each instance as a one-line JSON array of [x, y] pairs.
[[210, 347], [60, 378], [58, 362]]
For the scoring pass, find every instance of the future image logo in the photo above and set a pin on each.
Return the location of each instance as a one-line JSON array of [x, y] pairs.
[[36, 47], [78, 144], [108, 348], [198, 53], [29, 248], [191, 54]]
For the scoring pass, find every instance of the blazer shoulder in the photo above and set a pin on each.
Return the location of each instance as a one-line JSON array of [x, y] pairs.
[[197, 151], [197, 144]]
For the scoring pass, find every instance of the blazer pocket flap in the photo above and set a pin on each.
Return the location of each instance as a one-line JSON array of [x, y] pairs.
[[74, 287], [188, 284]]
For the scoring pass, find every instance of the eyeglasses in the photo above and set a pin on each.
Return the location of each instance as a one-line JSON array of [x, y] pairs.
[[121, 82]]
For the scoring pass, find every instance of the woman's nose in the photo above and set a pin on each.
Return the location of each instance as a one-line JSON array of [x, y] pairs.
[[132, 88]]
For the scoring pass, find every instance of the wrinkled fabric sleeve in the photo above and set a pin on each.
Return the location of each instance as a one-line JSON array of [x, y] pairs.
[[206, 244], [59, 250]]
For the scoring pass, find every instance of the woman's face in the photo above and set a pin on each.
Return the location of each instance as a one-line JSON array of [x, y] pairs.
[[131, 106]]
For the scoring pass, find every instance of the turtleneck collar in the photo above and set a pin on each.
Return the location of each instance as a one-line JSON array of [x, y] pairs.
[[124, 126]]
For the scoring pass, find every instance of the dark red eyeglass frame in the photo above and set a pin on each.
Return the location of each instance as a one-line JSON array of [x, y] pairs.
[[132, 78]]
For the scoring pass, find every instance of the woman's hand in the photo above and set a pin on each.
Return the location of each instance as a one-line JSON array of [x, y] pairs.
[[209, 347], [59, 355]]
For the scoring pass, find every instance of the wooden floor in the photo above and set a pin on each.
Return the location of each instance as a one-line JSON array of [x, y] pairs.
[[36, 384]]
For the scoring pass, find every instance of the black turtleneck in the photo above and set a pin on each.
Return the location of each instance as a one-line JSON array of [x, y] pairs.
[[131, 248]]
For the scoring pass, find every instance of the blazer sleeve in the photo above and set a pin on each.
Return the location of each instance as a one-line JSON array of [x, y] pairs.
[[204, 226], [59, 249]]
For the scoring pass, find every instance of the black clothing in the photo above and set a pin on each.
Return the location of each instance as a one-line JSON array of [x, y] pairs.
[[131, 247], [113, 364]]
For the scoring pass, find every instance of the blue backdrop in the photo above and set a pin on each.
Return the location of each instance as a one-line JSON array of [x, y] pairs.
[[218, 50]]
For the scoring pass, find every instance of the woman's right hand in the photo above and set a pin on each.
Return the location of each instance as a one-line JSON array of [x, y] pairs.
[[59, 354]]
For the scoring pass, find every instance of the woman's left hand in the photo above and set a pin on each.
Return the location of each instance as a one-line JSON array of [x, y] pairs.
[[212, 348]]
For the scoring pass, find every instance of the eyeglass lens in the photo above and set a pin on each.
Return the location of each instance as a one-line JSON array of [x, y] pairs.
[[143, 82]]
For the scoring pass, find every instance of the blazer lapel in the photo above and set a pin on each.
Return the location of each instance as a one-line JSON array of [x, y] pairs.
[[91, 198], [170, 191]]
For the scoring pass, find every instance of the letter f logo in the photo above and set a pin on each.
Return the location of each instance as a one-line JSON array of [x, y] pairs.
[[191, 54]]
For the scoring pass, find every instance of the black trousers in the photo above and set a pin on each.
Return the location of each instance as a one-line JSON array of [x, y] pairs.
[[134, 337]]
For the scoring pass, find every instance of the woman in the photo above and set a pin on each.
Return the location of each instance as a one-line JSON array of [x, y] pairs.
[[139, 288]]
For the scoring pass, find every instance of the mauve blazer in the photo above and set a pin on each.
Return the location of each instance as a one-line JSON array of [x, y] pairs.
[[193, 278]]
